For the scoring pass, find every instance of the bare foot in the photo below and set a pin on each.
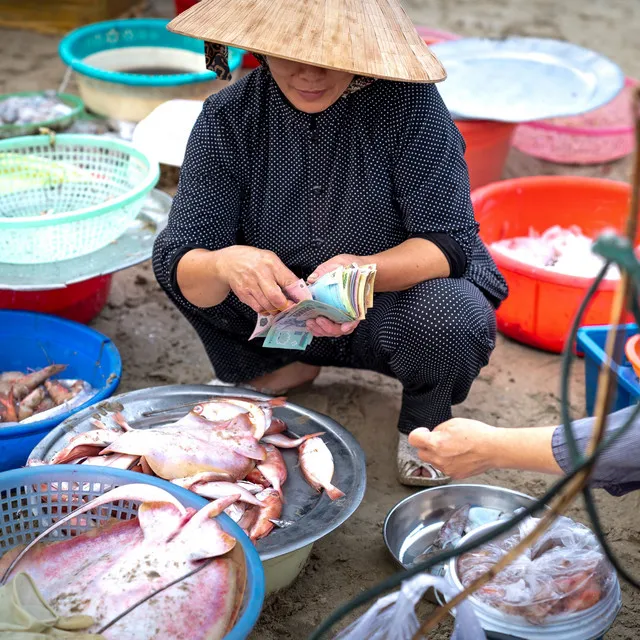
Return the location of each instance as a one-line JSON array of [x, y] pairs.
[[285, 379]]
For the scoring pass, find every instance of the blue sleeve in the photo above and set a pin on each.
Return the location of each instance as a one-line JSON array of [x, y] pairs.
[[618, 468]]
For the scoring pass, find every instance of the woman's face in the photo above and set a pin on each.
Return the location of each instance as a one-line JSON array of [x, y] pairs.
[[308, 88]]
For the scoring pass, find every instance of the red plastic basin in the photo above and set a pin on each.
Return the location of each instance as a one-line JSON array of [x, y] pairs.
[[542, 305], [81, 301], [488, 145]]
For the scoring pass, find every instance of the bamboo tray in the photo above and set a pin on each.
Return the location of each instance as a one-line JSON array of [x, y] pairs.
[[63, 15]]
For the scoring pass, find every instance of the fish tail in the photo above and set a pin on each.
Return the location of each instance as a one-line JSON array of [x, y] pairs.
[[333, 492]]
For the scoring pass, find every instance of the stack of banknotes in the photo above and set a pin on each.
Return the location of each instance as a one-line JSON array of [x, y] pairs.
[[342, 295]]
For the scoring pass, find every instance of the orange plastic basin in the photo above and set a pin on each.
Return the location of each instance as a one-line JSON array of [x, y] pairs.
[[488, 145], [632, 351], [542, 305]]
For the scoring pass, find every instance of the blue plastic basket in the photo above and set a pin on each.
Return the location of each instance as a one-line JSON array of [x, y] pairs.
[[142, 32], [25, 514], [34, 340], [591, 341]]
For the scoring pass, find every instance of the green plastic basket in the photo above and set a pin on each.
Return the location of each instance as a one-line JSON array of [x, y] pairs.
[[55, 124], [68, 195]]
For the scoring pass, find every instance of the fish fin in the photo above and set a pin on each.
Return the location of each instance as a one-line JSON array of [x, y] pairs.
[[333, 492], [280, 401], [159, 521]]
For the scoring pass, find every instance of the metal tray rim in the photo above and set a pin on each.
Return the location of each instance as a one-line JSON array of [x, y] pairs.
[[317, 527]]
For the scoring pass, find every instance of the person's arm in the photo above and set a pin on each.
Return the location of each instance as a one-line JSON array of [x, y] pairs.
[[195, 258], [462, 448]]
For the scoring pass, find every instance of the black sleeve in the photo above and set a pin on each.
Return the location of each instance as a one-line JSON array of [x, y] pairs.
[[206, 207]]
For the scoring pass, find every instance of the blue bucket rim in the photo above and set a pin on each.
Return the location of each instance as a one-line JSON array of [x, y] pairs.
[[105, 392], [255, 596], [77, 64]]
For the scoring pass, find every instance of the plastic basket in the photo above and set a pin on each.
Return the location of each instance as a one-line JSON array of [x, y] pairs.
[[77, 48], [55, 124], [591, 342], [69, 195], [26, 496], [33, 340]]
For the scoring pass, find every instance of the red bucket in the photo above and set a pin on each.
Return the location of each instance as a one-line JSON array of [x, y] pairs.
[[81, 301]]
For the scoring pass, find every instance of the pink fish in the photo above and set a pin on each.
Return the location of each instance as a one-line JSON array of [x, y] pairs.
[[282, 442], [316, 464], [274, 469], [213, 490], [103, 572], [25, 385], [271, 510]]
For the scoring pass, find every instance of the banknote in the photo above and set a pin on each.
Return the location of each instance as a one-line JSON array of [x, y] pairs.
[[296, 292], [342, 295]]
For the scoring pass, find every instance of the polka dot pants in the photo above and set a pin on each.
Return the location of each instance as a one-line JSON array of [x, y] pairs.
[[434, 338]]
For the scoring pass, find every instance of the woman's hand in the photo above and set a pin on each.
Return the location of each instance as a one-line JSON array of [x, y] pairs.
[[256, 276], [322, 327], [343, 260], [459, 447]]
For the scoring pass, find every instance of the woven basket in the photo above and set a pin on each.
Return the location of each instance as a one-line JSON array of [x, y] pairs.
[[67, 196]]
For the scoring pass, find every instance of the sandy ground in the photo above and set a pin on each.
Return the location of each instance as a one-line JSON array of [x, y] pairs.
[[519, 387]]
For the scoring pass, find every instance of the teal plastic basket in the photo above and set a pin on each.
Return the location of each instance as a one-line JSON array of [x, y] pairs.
[[68, 195]]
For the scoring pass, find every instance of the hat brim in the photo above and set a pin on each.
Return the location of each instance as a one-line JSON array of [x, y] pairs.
[[376, 39]]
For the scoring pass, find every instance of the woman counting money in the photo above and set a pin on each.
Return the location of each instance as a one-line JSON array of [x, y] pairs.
[[338, 150]]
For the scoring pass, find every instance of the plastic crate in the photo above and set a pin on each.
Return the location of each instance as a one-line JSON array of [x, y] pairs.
[[591, 342]]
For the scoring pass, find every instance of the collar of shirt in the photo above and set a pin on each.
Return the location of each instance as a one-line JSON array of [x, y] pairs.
[[328, 118]]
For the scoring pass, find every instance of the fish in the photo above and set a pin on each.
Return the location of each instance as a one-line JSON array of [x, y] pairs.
[[282, 442], [271, 510], [46, 404], [316, 464], [57, 391], [274, 468], [108, 569], [178, 454], [8, 407], [27, 383], [250, 486], [236, 510], [255, 477], [213, 490], [30, 403], [248, 519], [449, 535], [228, 407], [205, 476], [235, 434], [85, 445], [276, 426]]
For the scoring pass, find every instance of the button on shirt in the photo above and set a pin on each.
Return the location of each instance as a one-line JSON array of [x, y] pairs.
[[379, 166]]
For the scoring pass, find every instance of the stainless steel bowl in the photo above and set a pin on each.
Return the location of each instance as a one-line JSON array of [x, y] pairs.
[[589, 624], [413, 524]]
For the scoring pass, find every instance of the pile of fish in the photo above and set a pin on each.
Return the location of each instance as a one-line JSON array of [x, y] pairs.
[[565, 251], [225, 447], [22, 110], [27, 397], [104, 571]]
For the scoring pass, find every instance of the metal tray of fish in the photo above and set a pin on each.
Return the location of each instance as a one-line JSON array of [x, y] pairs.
[[311, 515], [413, 525]]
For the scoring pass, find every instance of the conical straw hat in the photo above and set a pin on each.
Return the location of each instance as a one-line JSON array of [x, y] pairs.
[[365, 37]]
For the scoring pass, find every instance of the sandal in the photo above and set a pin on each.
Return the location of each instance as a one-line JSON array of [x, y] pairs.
[[409, 463]]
